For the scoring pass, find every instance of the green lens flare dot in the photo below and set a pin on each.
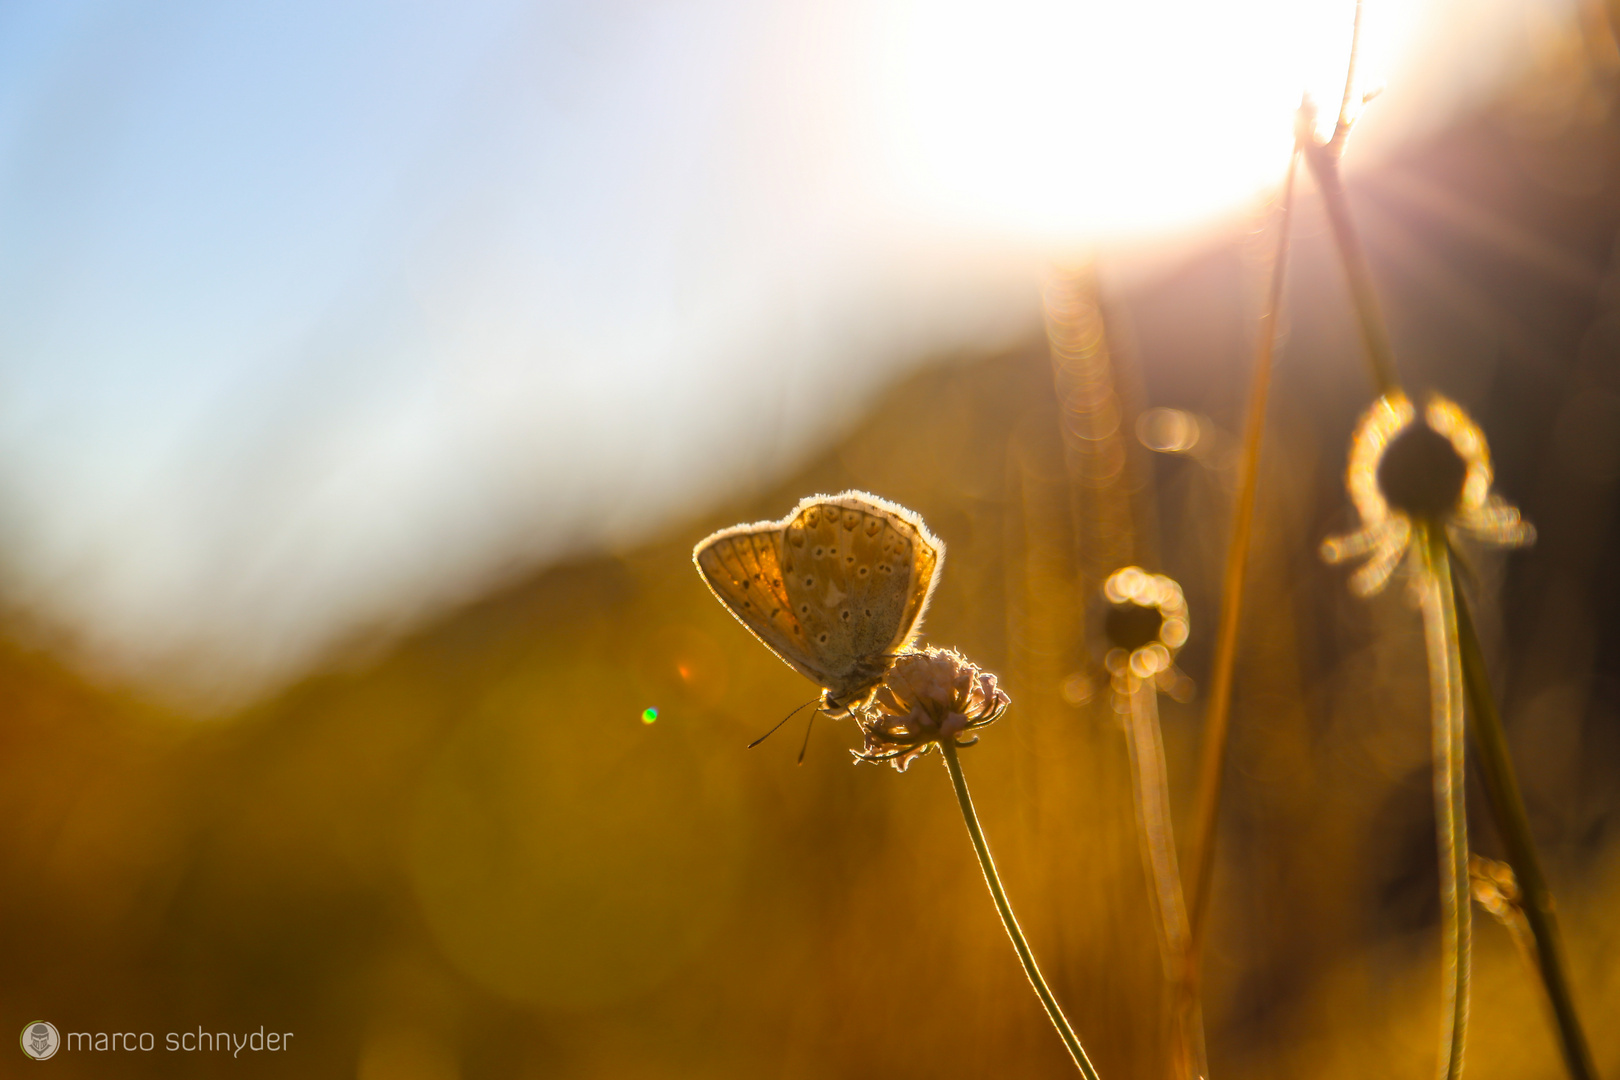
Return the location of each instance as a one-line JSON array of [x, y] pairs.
[[648, 715]]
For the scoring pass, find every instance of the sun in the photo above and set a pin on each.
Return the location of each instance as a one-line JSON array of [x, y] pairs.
[[1095, 120]]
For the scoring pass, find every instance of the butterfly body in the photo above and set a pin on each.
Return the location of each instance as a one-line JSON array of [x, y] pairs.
[[836, 589]]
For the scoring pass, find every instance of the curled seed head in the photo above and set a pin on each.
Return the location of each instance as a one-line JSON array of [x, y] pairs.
[[1421, 473], [1130, 625]]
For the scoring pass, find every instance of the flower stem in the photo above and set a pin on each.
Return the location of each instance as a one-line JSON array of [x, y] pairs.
[[1501, 785], [1451, 818], [999, 895], [1496, 766], [1513, 825], [1151, 786]]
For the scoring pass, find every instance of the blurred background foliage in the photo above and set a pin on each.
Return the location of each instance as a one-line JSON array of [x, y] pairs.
[[464, 854]]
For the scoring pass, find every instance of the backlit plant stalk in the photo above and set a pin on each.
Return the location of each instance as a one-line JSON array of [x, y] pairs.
[[1145, 623], [1446, 708], [934, 697], [1450, 628], [1414, 477], [1152, 789], [1010, 921], [1513, 825], [1217, 714]]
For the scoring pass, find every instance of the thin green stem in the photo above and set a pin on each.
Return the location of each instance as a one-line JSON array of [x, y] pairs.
[[1513, 825], [999, 895], [1212, 761], [1450, 812]]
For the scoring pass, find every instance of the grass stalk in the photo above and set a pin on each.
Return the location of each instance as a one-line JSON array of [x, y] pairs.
[[1151, 786], [1323, 159], [1217, 716], [1501, 786], [1324, 163], [1441, 638], [1513, 825], [999, 895], [1496, 766]]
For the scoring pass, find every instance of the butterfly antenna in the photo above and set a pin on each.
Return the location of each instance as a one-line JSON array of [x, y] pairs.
[[807, 729], [779, 723]]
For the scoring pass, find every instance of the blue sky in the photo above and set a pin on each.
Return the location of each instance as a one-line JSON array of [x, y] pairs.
[[316, 316]]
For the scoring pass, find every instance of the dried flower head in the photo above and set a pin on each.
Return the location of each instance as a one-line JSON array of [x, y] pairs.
[[927, 697], [1407, 471], [1495, 888], [1144, 624]]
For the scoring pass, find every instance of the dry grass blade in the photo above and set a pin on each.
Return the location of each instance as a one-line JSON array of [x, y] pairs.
[[1513, 825], [1217, 716], [1152, 790]]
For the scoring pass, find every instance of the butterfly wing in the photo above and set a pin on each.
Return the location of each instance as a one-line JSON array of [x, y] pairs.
[[925, 554], [858, 573], [835, 589], [742, 566]]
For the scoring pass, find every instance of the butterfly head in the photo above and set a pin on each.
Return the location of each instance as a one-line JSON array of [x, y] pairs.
[[838, 707], [857, 689]]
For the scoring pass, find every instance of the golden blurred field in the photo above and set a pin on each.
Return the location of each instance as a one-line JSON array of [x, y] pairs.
[[463, 854]]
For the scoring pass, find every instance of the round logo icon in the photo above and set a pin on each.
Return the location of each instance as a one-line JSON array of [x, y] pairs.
[[40, 1040]]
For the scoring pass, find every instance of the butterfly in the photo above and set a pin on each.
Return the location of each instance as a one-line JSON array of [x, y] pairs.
[[836, 589]]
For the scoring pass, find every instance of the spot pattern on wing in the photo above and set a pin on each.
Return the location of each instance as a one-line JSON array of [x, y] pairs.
[[835, 589], [743, 567], [852, 573]]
